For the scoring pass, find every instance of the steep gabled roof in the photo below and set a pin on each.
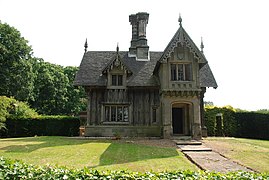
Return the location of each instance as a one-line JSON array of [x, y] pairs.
[[206, 77], [182, 37], [116, 61], [94, 63]]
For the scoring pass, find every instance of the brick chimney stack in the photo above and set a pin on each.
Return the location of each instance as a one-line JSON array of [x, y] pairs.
[[139, 47]]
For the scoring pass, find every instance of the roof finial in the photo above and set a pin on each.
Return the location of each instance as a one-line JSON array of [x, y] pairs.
[[86, 45], [202, 45], [117, 48], [180, 19]]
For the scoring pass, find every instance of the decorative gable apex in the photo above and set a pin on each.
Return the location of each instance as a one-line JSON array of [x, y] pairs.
[[182, 37], [116, 62]]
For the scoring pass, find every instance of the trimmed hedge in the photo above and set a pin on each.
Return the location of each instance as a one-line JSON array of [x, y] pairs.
[[43, 126], [253, 125], [238, 124], [18, 170], [229, 123]]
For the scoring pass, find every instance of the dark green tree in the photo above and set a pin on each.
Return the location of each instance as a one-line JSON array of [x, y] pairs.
[[76, 98], [263, 111], [49, 88], [15, 66]]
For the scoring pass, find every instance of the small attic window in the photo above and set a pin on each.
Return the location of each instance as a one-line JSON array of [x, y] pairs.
[[117, 80], [181, 72]]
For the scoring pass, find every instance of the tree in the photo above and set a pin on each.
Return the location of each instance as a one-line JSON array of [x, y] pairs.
[[76, 98], [49, 88], [15, 66], [208, 103], [263, 111], [46, 87]]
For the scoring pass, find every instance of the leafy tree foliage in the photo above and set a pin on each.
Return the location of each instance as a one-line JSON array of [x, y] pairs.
[[49, 88], [15, 66], [46, 87], [11, 108], [264, 111], [76, 99], [208, 103], [54, 93]]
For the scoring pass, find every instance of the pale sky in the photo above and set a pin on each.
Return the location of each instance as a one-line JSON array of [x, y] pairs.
[[235, 35]]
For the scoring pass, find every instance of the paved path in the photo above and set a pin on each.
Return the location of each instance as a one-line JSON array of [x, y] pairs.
[[207, 159]]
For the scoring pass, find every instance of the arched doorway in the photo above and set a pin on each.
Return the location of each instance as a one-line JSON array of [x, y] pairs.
[[181, 119]]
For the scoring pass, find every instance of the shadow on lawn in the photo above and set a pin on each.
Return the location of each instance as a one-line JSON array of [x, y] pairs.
[[119, 153], [30, 144]]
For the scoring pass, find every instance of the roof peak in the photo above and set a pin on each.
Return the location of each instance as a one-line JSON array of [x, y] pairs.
[[202, 45], [180, 19], [85, 46]]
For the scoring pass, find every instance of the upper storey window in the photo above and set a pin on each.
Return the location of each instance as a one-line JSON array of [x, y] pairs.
[[117, 80], [181, 72]]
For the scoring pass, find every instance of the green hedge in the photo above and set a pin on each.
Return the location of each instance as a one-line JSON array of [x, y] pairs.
[[253, 125], [238, 124], [18, 170], [42, 126], [229, 123]]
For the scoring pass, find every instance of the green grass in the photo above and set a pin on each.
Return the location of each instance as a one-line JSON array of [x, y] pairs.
[[98, 154], [249, 152]]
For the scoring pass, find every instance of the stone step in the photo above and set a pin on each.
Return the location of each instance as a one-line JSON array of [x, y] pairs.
[[194, 148], [188, 143], [182, 138]]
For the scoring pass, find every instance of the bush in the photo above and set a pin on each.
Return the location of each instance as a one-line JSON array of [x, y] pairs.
[[43, 126], [229, 123], [253, 125], [10, 107], [18, 170]]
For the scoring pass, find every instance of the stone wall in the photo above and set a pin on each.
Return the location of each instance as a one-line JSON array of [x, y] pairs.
[[123, 131]]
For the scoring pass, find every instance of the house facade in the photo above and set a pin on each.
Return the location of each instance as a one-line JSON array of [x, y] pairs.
[[140, 93]]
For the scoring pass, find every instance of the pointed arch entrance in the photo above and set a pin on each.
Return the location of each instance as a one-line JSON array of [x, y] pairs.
[[181, 119]]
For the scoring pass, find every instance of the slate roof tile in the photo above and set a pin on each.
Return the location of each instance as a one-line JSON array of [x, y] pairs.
[[93, 62]]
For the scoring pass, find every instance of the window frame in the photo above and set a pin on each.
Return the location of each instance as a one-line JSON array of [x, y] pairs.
[[116, 113], [116, 79], [185, 75]]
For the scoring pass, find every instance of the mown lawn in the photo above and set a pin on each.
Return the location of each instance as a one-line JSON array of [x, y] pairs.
[[249, 152], [98, 154]]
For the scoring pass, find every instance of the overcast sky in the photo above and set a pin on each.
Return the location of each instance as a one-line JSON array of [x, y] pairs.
[[235, 34]]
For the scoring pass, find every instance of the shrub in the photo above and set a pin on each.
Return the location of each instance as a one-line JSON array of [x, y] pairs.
[[229, 122], [10, 107], [253, 125], [18, 170], [43, 126]]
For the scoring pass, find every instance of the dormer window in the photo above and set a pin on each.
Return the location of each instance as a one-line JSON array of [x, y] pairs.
[[116, 72], [117, 80]]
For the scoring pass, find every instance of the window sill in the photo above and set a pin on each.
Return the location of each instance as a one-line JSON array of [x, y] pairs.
[[115, 123], [116, 87], [174, 81]]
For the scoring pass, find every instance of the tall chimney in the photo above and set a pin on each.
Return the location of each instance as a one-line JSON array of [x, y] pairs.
[[139, 47]]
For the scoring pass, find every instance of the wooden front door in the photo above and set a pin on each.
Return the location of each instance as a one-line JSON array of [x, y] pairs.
[[177, 120]]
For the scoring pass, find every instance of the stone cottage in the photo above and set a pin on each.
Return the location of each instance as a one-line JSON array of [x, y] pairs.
[[146, 93]]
